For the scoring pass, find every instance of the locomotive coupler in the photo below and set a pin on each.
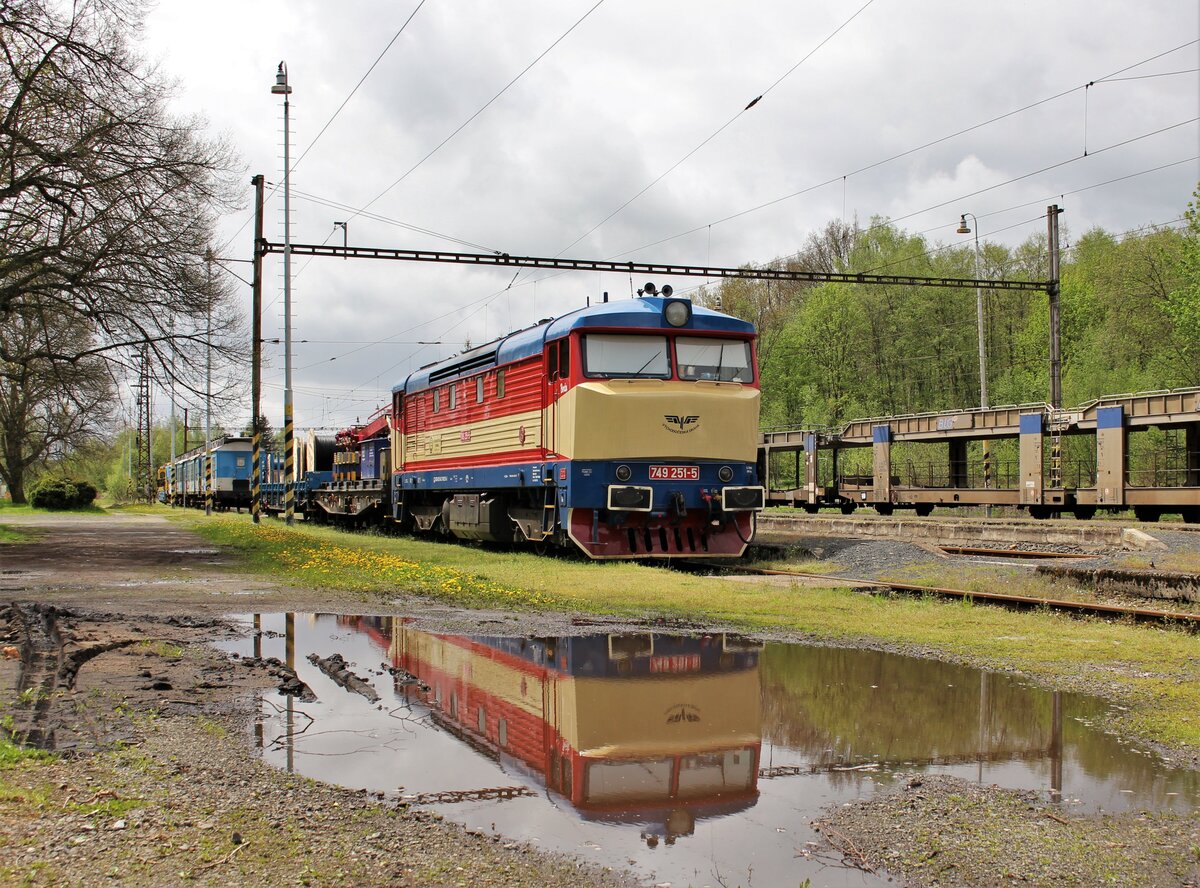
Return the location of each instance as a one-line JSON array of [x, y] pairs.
[[678, 507]]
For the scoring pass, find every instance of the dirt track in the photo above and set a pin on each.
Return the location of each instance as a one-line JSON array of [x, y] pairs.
[[157, 784]]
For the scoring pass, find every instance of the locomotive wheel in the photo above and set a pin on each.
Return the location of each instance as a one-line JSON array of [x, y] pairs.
[[848, 508], [884, 509], [1191, 514], [1084, 513], [923, 510]]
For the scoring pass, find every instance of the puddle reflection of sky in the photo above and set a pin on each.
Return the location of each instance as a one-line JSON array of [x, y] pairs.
[[695, 760]]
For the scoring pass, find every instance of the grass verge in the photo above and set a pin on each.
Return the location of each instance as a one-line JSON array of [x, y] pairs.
[[1153, 671], [10, 534]]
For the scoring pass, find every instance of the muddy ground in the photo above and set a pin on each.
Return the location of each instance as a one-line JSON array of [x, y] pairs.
[[106, 622]]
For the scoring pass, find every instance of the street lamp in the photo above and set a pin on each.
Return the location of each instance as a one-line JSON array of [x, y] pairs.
[[963, 228], [281, 88]]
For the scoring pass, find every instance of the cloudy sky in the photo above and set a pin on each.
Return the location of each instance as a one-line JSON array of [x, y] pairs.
[[609, 96]]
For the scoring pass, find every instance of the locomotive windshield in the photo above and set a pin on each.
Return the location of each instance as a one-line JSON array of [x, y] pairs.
[[727, 360], [612, 354]]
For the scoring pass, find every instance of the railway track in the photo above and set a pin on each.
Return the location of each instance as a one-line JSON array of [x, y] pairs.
[[1096, 609]]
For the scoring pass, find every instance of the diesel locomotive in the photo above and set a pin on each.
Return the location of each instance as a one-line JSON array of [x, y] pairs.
[[627, 429]]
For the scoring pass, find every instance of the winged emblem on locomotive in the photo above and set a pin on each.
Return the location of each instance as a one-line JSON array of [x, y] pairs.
[[680, 423]]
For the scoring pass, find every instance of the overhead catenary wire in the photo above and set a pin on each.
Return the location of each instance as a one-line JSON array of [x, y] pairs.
[[490, 297], [902, 154], [483, 108], [894, 219], [486, 300], [907, 152], [345, 101], [361, 81], [717, 131]]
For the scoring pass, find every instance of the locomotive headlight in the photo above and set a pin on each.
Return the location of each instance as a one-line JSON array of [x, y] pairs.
[[624, 473], [677, 312], [725, 474]]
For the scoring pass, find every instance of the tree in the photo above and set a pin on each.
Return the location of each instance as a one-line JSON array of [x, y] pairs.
[[46, 406], [107, 211]]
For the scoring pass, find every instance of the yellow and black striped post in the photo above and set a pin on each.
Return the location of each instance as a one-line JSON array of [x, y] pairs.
[[256, 477], [289, 467], [208, 490]]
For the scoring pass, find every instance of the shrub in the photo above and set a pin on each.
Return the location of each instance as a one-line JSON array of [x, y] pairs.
[[62, 493], [86, 493]]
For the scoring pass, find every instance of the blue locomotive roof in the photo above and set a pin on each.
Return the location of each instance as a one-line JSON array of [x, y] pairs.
[[645, 313]]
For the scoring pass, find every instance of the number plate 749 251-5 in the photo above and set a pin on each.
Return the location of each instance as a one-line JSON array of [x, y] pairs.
[[674, 473]]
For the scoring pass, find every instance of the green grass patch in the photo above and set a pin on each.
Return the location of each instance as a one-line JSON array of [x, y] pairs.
[[135, 508], [1153, 671], [160, 648], [10, 534], [1180, 562], [212, 728], [13, 754], [323, 558]]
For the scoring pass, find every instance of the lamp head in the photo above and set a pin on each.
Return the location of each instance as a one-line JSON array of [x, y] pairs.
[[281, 87], [963, 227]]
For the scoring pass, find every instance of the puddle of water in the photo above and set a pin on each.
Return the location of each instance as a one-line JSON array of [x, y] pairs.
[[694, 760]]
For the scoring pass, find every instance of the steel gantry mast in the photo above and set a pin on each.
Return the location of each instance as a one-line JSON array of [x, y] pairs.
[[1050, 287]]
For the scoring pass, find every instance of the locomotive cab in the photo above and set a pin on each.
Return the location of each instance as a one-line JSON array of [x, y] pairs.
[[659, 424]]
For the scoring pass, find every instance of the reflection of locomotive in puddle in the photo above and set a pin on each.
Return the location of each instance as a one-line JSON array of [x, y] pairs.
[[647, 729]]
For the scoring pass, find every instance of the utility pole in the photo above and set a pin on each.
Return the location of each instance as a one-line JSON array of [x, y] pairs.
[[171, 469], [256, 355], [208, 457], [1052, 290], [142, 473], [963, 228], [283, 88]]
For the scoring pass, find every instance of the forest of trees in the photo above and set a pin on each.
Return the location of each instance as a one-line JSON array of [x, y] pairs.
[[833, 352]]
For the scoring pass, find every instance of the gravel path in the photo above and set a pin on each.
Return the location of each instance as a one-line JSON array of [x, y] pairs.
[[944, 831], [166, 790]]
